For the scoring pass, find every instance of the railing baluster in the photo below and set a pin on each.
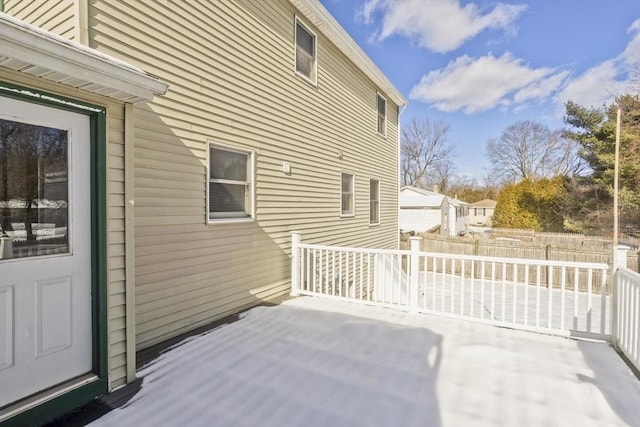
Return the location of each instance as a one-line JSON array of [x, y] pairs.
[[515, 292], [462, 287], [425, 263], [549, 295], [326, 272], [307, 267], [453, 285], [563, 279], [526, 294], [361, 281], [442, 283], [482, 283], [589, 299], [320, 269], [394, 290], [333, 273], [369, 276], [473, 281], [503, 305], [493, 290], [353, 275], [603, 302], [576, 283], [314, 287], [434, 267], [538, 278], [340, 273]]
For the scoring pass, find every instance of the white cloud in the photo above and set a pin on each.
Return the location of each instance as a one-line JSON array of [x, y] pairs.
[[601, 83], [631, 54], [474, 85], [479, 84], [439, 25], [592, 88]]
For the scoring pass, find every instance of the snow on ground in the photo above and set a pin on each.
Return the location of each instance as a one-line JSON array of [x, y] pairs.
[[317, 362]]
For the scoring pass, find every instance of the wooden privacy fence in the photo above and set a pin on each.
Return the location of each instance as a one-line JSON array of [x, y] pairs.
[[519, 249]]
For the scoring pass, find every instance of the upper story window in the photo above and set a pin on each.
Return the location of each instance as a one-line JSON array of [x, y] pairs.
[[374, 201], [382, 115], [306, 48], [347, 193], [230, 183]]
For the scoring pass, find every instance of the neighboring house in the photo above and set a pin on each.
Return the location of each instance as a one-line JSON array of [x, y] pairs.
[[192, 138], [481, 213], [422, 210]]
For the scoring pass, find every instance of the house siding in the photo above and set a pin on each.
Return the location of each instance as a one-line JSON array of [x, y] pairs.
[[230, 66], [115, 216], [57, 16]]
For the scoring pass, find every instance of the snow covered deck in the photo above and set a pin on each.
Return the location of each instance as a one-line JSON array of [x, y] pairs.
[[317, 362]]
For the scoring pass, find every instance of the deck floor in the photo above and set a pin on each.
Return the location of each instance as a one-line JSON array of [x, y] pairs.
[[317, 362]]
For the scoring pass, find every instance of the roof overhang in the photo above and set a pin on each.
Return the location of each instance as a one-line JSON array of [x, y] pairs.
[[323, 21], [32, 50]]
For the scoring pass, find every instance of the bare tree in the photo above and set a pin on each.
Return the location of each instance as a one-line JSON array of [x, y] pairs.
[[425, 154], [530, 150]]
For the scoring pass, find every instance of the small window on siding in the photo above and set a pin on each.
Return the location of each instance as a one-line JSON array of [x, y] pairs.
[[374, 201], [306, 60], [382, 115], [230, 183], [347, 192]]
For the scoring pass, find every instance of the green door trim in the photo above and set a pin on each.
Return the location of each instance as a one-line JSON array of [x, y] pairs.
[[97, 115]]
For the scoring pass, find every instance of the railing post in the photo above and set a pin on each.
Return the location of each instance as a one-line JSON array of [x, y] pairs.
[[619, 260], [414, 273], [295, 264]]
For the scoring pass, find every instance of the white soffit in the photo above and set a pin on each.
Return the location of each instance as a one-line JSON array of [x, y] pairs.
[[323, 21], [32, 50]]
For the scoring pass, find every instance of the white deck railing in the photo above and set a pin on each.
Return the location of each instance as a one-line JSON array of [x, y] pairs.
[[564, 298], [627, 308]]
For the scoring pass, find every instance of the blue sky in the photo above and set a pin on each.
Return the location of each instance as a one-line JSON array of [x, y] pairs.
[[482, 65]]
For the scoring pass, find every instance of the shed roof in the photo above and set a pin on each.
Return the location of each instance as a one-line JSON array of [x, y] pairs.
[[418, 197], [29, 49]]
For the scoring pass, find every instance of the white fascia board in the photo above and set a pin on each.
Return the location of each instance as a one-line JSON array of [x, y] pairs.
[[323, 21], [50, 56]]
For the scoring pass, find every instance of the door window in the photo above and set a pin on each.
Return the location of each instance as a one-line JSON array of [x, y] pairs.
[[34, 190]]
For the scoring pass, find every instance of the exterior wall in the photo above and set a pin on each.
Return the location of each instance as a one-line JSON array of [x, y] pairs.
[[57, 16], [480, 219], [419, 220], [115, 214], [230, 66], [459, 222]]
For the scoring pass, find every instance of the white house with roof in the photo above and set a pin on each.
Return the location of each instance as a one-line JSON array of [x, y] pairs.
[[423, 210]]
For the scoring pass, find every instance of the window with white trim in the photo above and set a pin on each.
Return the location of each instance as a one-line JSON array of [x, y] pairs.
[[382, 115], [374, 201], [347, 192], [306, 48], [230, 183]]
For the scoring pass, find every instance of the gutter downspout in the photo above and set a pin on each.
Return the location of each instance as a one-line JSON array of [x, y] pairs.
[[401, 109]]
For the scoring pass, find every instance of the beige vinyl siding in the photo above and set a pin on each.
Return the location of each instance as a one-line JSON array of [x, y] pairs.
[[230, 66], [57, 16], [115, 216]]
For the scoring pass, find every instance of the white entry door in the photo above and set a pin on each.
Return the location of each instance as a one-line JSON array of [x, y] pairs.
[[45, 248]]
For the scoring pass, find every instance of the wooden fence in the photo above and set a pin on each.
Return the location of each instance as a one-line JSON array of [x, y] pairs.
[[503, 248]]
